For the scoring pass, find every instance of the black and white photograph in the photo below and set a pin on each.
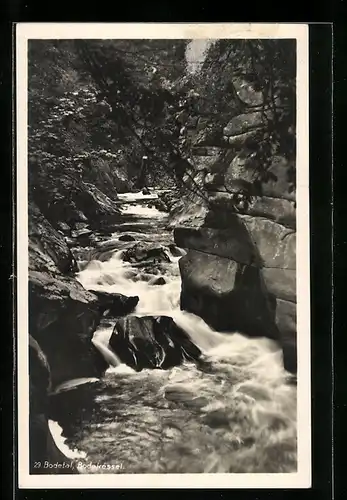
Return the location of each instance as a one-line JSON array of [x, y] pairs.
[[163, 255]]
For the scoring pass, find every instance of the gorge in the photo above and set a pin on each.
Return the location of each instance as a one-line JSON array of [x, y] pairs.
[[162, 297]]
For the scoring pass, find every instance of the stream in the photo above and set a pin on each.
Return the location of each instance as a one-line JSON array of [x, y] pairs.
[[237, 416]]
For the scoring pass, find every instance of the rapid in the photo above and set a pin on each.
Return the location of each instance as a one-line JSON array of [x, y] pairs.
[[238, 415]]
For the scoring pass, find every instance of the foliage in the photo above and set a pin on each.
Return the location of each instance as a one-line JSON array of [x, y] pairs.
[[107, 111], [268, 68]]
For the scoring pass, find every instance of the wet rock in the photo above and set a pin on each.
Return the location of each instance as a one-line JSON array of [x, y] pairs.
[[107, 245], [146, 270], [65, 228], [152, 342], [217, 418], [63, 317], [116, 304], [141, 276], [70, 242], [146, 191], [160, 205], [42, 447], [104, 250], [81, 225], [145, 252], [175, 251], [94, 203], [240, 274], [126, 237], [83, 236], [157, 281]]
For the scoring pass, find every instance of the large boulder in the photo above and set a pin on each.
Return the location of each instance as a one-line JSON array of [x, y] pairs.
[[63, 317], [186, 213], [235, 170], [279, 210], [42, 447], [233, 242], [115, 303], [276, 243], [157, 281], [101, 211], [152, 342], [104, 250], [247, 240], [229, 296], [234, 201]]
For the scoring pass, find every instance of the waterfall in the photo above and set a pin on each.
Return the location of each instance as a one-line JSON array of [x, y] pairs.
[[110, 357]]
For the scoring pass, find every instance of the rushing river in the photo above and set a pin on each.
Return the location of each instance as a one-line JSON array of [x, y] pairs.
[[237, 416]]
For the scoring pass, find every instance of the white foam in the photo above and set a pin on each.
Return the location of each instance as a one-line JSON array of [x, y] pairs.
[[137, 196], [60, 442], [143, 211]]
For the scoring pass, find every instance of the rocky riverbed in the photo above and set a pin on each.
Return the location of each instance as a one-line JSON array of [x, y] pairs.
[[160, 390]]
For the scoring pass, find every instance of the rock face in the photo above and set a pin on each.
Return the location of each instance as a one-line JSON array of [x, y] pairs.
[[152, 342], [239, 272], [46, 242], [242, 277], [228, 295], [62, 314], [63, 317], [42, 447]]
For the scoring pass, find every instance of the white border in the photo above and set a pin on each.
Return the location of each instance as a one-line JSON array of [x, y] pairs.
[[300, 479]]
